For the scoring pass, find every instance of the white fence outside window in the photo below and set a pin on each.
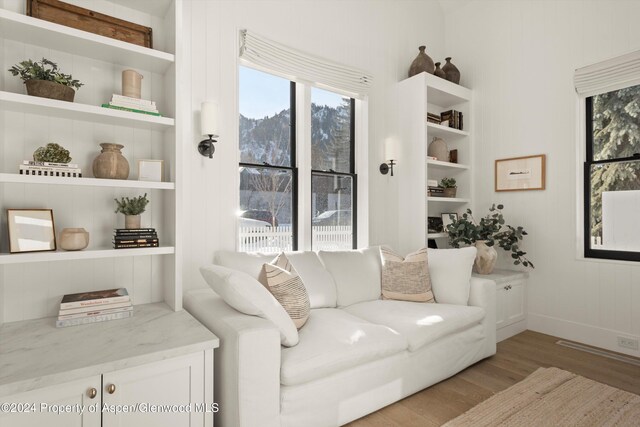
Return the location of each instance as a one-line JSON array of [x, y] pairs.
[[277, 239]]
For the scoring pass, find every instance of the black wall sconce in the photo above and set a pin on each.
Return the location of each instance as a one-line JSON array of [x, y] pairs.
[[391, 154], [209, 127], [386, 167]]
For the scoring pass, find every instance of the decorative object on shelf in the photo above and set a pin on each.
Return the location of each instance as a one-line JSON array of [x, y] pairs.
[[448, 218], [209, 127], [127, 238], [74, 239], [94, 306], [439, 72], [60, 170], [43, 79], [31, 230], [438, 149], [88, 20], [151, 170], [391, 155], [422, 63], [450, 187], [110, 163], [490, 231], [434, 224], [434, 118], [132, 208], [52, 153], [453, 156], [132, 84], [520, 173], [452, 118], [451, 71]]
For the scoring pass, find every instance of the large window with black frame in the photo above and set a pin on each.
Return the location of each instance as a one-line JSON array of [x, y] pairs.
[[333, 178], [612, 175], [268, 176]]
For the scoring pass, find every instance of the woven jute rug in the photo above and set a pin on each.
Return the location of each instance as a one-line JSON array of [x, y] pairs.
[[553, 397]]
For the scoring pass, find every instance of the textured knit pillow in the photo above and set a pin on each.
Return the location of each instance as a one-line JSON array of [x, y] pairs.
[[406, 279], [284, 282]]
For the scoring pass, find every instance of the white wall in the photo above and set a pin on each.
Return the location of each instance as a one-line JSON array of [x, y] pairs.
[[378, 36], [519, 58]]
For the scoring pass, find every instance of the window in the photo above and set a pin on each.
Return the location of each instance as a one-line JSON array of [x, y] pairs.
[[612, 175]]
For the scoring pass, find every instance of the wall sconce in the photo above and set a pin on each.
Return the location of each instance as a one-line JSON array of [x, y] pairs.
[[209, 127], [391, 154]]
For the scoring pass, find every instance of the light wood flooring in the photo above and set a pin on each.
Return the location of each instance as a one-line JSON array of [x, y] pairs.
[[516, 358]]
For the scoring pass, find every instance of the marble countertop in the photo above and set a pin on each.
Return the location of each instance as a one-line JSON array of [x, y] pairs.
[[34, 353], [502, 276]]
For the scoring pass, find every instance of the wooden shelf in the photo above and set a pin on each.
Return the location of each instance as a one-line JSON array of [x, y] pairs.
[[15, 26], [447, 200], [75, 111], [437, 164], [85, 254], [87, 182], [436, 235], [445, 131], [445, 94]]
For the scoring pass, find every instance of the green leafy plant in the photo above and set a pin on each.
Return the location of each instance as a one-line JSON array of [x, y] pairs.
[[52, 153], [43, 70], [448, 183], [133, 206], [492, 229]]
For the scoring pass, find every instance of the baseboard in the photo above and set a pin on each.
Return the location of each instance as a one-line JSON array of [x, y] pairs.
[[579, 332], [511, 330]]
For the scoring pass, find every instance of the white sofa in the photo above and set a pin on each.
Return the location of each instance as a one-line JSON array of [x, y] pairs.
[[356, 354]]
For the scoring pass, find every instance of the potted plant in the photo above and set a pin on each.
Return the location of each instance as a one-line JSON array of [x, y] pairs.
[[491, 231], [132, 208], [44, 80], [450, 187], [52, 153]]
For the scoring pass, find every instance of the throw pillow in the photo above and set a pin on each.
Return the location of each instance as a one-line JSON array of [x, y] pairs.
[[248, 296], [450, 271], [284, 282], [406, 279]]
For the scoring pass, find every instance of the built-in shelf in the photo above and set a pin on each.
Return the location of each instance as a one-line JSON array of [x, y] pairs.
[[15, 26], [85, 254], [87, 182], [437, 235], [437, 164], [447, 200], [445, 131], [444, 93], [76, 111]]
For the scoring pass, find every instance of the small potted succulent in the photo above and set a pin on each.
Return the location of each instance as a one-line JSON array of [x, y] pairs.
[[450, 187], [44, 80], [132, 208], [52, 153]]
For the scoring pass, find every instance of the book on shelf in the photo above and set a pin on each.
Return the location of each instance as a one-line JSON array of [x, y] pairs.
[[67, 311], [94, 298], [135, 245], [95, 312], [453, 117], [432, 183], [133, 110], [50, 164], [129, 231], [121, 98], [131, 241], [123, 238], [93, 319], [50, 171]]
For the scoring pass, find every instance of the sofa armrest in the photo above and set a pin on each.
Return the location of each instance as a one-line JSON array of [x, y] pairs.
[[247, 364], [483, 294]]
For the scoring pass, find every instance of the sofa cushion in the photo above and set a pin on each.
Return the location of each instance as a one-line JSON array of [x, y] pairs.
[[419, 323], [318, 281], [406, 279], [450, 271], [248, 296], [357, 274], [285, 284], [334, 340], [250, 263]]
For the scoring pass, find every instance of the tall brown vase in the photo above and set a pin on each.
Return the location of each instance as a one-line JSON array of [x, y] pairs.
[[110, 163], [438, 72], [422, 63], [451, 71]]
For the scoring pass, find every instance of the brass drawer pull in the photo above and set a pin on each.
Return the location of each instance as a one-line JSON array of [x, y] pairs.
[[92, 393], [111, 388]]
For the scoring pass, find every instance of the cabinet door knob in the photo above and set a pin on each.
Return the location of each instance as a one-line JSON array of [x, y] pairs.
[[506, 288], [111, 388], [92, 393]]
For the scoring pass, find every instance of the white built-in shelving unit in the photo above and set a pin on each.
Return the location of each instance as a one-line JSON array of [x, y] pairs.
[[416, 96]]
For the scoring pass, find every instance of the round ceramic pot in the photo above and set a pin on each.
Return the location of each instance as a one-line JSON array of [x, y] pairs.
[[438, 72], [450, 192], [485, 258], [423, 62], [110, 163], [451, 71], [74, 239], [52, 90], [438, 149], [131, 221]]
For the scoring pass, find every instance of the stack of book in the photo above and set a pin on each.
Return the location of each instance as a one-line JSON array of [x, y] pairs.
[[433, 118], [435, 191], [126, 103], [124, 238], [66, 170], [91, 307], [453, 117]]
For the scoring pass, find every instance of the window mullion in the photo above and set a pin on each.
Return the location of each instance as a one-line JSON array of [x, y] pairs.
[[303, 162]]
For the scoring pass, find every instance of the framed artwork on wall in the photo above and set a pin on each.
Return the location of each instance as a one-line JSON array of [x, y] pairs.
[[151, 170], [520, 173], [31, 230], [448, 218]]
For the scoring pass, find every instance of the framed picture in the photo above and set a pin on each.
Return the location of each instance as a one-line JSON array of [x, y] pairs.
[[520, 173], [151, 170], [434, 224], [448, 218], [31, 230]]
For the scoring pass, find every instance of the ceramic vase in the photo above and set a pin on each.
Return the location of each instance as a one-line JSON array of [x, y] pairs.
[[451, 71], [485, 258], [132, 84], [131, 221], [422, 63], [74, 239], [438, 149], [110, 163], [438, 72], [52, 90]]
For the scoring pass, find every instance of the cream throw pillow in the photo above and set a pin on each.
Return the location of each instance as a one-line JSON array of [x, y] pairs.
[[284, 282], [406, 279]]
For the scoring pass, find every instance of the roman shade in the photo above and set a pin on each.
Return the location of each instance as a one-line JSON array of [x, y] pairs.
[[606, 76], [265, 54]]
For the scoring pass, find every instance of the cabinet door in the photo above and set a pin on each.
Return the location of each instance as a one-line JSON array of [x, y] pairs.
[[64, 405], [501, 306], [516, 302], [155, 394]]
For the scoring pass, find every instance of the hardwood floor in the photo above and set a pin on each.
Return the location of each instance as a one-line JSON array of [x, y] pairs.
[[516, 358]]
